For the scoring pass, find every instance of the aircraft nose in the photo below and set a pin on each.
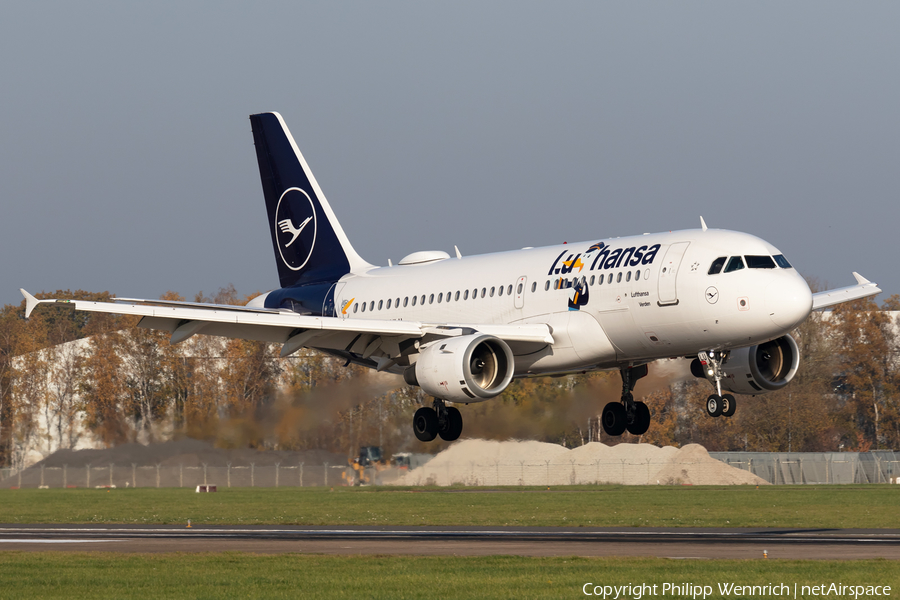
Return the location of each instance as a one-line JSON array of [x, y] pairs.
[[788, 300]]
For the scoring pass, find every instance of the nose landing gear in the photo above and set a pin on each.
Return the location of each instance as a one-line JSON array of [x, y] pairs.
[[627, 415], [717, 404]]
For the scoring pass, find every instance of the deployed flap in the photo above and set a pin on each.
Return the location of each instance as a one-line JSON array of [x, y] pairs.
[[864, 289]]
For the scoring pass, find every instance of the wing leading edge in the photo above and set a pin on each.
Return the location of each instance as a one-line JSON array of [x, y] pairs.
[[388, 339], [863, 289]]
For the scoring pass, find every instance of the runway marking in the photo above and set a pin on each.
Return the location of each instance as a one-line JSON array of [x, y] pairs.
[[46, 541]]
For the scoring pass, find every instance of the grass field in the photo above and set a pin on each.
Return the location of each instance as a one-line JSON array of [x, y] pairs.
[[227, 575], [870, 506]]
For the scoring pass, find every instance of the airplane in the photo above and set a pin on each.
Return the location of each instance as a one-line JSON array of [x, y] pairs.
[[462, 328]]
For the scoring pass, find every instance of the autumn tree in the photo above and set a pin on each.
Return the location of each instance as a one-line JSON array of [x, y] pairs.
[[866, 361], [103, 391]]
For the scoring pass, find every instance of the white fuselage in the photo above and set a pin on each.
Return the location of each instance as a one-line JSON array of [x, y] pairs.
[[640, 304]]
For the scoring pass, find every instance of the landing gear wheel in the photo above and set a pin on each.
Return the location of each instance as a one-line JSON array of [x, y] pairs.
[[714, 405], [640, 423], [614, 419], [425, 424], [729, 405], [453, 425]]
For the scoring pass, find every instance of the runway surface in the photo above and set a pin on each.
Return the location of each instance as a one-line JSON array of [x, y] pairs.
[[466, 541]]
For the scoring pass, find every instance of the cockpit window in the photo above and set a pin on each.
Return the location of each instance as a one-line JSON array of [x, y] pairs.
[[760, 262], [717, 265], [735, 263], [782, 261]]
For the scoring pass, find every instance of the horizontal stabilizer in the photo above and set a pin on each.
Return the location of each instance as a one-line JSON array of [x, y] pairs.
[[863, 289]]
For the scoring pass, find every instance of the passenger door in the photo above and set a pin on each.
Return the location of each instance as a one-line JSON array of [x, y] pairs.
[[668, 273]]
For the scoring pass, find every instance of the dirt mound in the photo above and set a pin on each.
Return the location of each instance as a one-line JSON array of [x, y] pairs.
[[482, 462]]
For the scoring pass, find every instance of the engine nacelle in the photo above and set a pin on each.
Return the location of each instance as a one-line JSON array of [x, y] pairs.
[[468, 368], [763, 368]]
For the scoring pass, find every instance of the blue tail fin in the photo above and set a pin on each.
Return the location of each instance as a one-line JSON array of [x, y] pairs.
[[310, 245]]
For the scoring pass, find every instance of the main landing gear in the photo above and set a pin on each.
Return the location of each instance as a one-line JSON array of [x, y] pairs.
[[443, 420], [627, 415], [717, 404]]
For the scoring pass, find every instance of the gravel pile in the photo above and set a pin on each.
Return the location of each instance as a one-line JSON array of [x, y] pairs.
[[483, 462]]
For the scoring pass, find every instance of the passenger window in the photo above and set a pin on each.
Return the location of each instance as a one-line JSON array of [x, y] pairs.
[[501, 291], [431, 299], [637, 275], [364, 307], [619, 277], [782, 261], [519, 289], [456, 297], [735, 263], [609, 278], [466, 295], [405, 301], [533, 286], [355, 306], [492, 292], [547, 286], [440, 297], [414, 300], [509, 289], [592, 279], [627, 276], [371, 306], [760, 262], [483, 292], [389, 303], [422, 300], [717, 265], [380, 304]]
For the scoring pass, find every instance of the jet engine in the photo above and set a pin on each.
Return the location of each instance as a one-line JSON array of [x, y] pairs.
[[760, 369], [468, 368]]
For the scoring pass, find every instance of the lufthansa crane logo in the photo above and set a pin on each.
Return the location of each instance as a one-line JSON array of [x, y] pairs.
[[295, 228]]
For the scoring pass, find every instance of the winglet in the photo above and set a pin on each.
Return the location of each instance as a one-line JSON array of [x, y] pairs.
[[703, 223], [860, 279], [30, 302]]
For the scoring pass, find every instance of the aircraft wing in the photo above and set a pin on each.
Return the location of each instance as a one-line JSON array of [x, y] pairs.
[[863, 289], [362, 338]]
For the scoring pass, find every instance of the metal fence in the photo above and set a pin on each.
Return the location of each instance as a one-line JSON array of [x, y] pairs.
[[774, 467], [879, 466], [97, 476]]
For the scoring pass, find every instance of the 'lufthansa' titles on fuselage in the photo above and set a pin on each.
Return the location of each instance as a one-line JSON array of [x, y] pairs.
[[601, 256]]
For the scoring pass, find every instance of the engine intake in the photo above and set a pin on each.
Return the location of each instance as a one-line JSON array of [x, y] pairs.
[[763, 368], [468, 368]]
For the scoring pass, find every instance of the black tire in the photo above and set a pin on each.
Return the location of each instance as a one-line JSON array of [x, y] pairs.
[[425, 424], [641, 421], [454, 425], [614, 419], [714, 406], [729, 405]]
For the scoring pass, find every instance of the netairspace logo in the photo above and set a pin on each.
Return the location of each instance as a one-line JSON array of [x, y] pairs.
[[637, 591]]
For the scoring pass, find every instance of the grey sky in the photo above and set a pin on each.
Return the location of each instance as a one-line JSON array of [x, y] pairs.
[[127, 162]]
